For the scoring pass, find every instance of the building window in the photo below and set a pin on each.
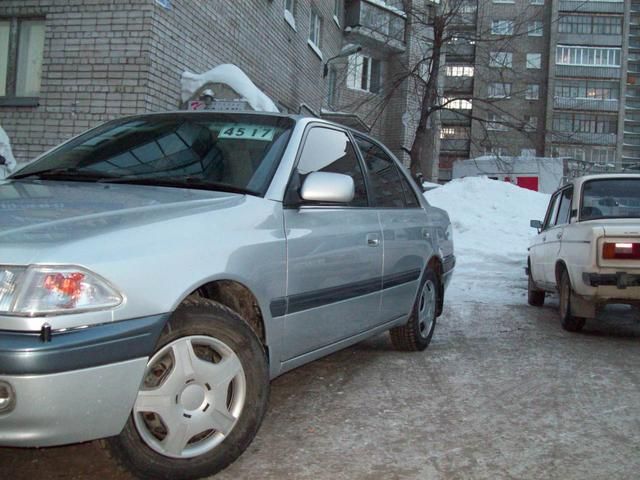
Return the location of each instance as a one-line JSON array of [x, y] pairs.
[[530, 123], [528, 152], [532, 92], [585, 123], [502, 27], [504, 1], [587, 89], [534, 60], [456, 103], [589, 24], [499, 90], [337, 9], [534, 29], [588, 56], [363, 73], [21, 72], [290, 7], [496, 122], [536, 2], [315, 32], [501, 59], [459, 71], [455, 133]]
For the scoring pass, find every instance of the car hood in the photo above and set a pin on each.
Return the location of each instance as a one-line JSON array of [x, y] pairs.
[[53, 211]]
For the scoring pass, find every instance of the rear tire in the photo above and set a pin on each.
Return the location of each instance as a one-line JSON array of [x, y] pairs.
[[416, 334], [567, 320], [535, 296], [202, 398]]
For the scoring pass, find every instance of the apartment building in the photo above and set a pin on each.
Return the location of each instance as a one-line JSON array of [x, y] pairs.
[[67, 65], [545, 78]]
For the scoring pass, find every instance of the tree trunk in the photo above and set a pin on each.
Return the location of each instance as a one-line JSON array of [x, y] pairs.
[[422, 162]]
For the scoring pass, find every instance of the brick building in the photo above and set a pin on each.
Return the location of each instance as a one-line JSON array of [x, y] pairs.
[[67, 65]]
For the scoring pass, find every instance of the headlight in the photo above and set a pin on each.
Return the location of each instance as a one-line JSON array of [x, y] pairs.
[[51, 290]]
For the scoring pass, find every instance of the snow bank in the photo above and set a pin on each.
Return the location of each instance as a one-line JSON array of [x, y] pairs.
[[491, 234], [232, 76], [5, 151]]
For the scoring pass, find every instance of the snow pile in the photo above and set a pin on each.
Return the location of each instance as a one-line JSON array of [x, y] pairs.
[[491, 234], [9, 164], [232, 76]]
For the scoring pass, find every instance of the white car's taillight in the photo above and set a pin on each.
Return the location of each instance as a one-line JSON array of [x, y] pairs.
[[621, 251], [52, 290]]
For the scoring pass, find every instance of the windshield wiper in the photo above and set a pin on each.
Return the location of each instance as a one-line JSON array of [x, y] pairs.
[[69, 174], [181, 182]]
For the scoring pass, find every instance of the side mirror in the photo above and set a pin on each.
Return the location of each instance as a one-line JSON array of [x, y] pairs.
[[537, 224], [327, 187]]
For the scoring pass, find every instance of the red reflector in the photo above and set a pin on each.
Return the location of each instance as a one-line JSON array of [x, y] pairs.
[[621, 251]]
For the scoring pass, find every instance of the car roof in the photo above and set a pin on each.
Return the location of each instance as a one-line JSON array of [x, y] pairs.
[[603, 176], [304, 119]]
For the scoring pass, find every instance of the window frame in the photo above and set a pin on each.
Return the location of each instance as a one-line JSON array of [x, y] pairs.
[[315, 27], [407, 185], [495, 57], [532, 66], [498, 25], [535, 28], [536, 88], [10, 97], [358, 70], [291, 189]]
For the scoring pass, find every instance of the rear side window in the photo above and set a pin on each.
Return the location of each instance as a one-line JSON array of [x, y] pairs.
[[328, 150], [387, 189]]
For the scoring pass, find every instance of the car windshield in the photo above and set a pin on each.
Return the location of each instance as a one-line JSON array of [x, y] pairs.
[[611, 198], [217, 151]]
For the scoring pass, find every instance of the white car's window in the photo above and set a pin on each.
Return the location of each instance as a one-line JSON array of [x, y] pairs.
[[328, 150], [611, 198], [564, 210], [552, 211]]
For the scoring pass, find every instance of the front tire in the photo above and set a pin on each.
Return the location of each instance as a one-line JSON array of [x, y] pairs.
[[535, 296], [202, 399], [416, 334], [567, 320]]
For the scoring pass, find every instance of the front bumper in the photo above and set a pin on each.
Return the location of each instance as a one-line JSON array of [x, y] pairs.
[[80, 386]]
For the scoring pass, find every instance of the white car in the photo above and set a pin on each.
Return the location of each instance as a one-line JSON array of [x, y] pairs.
[[588, 247]]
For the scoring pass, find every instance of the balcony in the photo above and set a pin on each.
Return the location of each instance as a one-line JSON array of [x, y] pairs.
[[461, 51], [463, 21], [594, 6], [374, 25], [459, 84], [581, 71], [454, 145], [586, 104], [587, 39], [584, 138], [455, 117]]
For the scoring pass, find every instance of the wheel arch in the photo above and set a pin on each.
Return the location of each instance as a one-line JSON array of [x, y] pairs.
[[559, 268], [435, 264]]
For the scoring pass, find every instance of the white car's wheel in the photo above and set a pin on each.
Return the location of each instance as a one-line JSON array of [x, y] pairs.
[[568, 321], [202, 399]]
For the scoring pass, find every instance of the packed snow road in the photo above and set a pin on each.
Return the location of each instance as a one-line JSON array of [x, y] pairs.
[[502, 391]]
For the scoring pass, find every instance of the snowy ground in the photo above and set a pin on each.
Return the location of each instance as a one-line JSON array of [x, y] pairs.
[[491, 234]]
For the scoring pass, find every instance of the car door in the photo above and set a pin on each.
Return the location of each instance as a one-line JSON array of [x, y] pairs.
[[553, 235], [537, 249], [404, 230], [334, 252]]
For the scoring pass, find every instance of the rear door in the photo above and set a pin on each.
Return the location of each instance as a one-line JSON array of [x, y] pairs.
[[404, 228], [334, 252]]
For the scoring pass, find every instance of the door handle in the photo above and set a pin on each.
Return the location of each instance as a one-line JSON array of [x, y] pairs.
[[426, 234], [544, 239], [373, 240], [559, 236]]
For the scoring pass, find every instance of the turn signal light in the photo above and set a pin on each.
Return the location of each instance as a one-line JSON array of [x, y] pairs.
[[621, 251]]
